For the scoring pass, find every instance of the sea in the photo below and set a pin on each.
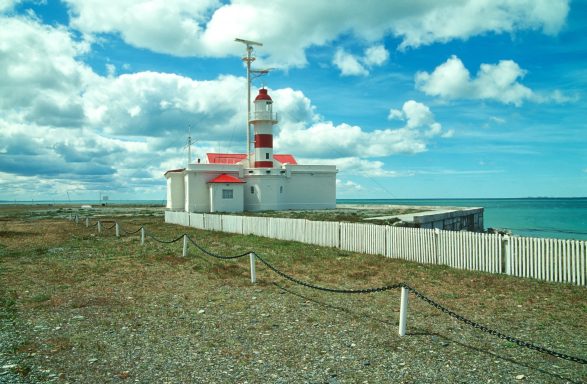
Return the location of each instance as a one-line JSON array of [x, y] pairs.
[[561, 218]]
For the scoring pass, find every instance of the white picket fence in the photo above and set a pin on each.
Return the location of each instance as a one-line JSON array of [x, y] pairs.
[[546, 259]]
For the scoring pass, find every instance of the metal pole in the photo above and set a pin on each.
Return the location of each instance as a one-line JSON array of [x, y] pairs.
[[99, 226], [142, 235], [117, 229], [403, 311], [253, 270], [249, 50], [185, 245]]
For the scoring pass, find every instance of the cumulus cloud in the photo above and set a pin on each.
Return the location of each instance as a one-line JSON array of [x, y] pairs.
[[41, 78], [348, 64], [60, 129], [347, 186], [418, 116], [157, 104], [208, 28], [351, 65], [497, 82]]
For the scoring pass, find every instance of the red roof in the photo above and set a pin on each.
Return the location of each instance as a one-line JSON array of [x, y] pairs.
[[285, 159], [224, 178], [233, 158], [225, 158], [263, 95]]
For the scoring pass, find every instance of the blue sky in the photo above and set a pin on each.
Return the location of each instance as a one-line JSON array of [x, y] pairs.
[[410, 99]]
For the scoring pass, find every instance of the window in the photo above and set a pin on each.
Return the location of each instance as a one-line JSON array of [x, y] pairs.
[[268, 172], [267, 156], [252, 189], [227, 194], [281, 189]]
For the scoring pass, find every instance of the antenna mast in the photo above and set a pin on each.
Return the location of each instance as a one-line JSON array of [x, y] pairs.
[[189, 143], [249, 58]]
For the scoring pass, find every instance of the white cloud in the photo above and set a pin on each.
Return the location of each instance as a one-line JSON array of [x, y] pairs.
[[498, 82], [158, 104], [348, 64], [356, 166], [326, 140], [464, 19], [376, 55], [7, 5], [287, 28], [41, 78], [418, 116], [351, 65], [347, 186]]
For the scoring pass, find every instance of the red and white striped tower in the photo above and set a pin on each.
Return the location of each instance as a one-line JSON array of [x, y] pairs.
[[263, 121]]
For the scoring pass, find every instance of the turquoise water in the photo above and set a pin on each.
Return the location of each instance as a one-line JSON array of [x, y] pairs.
[[563, 218]]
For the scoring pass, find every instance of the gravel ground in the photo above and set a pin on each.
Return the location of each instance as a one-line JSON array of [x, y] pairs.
[[165, 319]]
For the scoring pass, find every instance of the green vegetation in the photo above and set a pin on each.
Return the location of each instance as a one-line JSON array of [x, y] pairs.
[[83, 307]]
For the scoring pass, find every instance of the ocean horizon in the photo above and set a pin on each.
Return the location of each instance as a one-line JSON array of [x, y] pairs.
[[554, 217]]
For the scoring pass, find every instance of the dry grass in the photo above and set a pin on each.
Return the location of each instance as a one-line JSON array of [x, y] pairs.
[[68, 288]]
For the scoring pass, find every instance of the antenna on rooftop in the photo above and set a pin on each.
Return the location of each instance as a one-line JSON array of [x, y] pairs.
[[190, 143], [249, 58]]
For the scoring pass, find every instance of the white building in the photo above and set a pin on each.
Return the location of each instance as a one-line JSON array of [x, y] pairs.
[[258, 182]]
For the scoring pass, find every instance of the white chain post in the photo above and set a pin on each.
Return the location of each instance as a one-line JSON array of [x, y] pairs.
[[99, 227], [117, 229], [76, 219], [253, 270], [142, 235], [185, 245], [87, 222], [403, 311]]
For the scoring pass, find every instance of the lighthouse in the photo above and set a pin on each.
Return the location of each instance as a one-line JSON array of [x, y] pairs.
[[256, 180], [263, 121]]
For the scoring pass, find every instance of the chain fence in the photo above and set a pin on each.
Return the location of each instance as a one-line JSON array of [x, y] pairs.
[[418, 294]]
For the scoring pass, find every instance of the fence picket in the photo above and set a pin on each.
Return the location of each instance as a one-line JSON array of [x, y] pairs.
[[552, 260]]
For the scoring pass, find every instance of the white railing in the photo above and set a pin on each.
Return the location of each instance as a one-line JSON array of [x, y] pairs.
[[545, 259]]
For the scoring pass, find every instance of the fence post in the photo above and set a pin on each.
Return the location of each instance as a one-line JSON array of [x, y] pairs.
[[506, 266], [117, 229], [436, 245], [76, 219], [142, 235], [99, 226], [403, 311], [185, 245], [253, 270], [87, 222]]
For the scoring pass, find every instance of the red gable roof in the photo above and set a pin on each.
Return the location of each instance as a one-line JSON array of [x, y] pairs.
[[285, 159], [225, 158], [224, 178], [233, 158]]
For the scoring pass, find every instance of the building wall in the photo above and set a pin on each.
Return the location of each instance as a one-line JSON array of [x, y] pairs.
[[197, 195], [219, 204], [310, 190], [262, 192], [175, 191], [290, 187]]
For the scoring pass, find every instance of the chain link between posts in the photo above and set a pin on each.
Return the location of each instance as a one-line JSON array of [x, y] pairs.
[[416, 293]]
